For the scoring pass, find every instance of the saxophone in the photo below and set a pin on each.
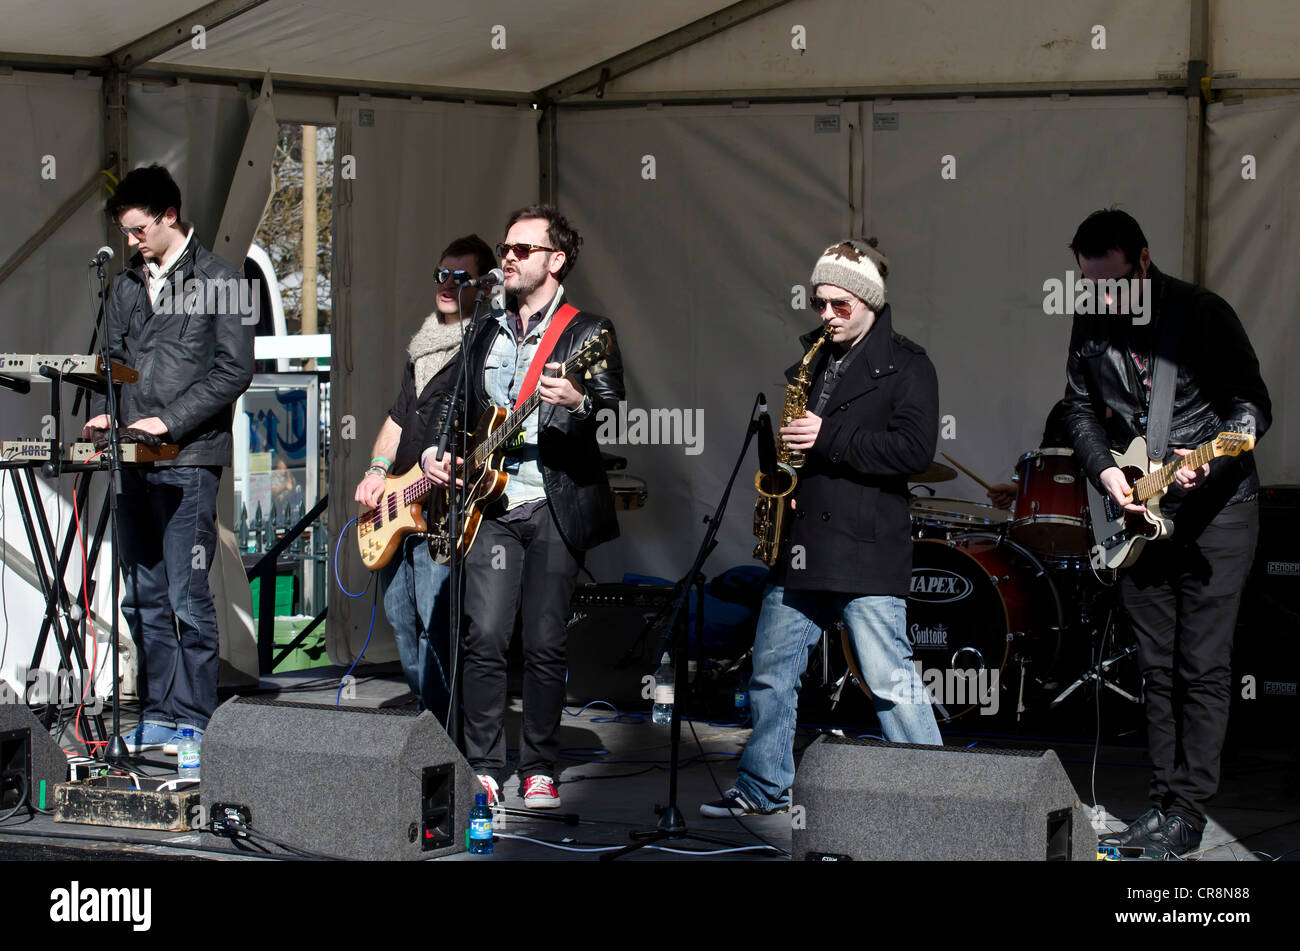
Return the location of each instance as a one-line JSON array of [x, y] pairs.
[[772, 508]]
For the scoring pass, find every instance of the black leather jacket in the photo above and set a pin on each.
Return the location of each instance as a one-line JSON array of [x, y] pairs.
[[572, 470], [194, 355], [1219, 387]]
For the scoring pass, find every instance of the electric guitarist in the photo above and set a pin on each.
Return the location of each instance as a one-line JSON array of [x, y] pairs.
[[557, 503], [1183, 591]]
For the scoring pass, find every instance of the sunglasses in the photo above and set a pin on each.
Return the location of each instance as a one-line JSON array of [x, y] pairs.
[[138, 230], [522, 251], [842, 308], [458, 276]]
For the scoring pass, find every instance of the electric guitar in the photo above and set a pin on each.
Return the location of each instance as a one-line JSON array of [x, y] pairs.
[[398, 512], [1120, 535]]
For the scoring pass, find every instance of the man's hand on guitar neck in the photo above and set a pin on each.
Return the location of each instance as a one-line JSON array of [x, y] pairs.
[[559, 390], [439, 470], [1116, 485], [1188, 479]]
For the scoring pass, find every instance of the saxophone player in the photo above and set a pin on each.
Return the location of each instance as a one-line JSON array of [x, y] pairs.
[[871, 420]]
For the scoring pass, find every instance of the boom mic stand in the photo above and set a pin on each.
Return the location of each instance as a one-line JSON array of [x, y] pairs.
[[671, 823]]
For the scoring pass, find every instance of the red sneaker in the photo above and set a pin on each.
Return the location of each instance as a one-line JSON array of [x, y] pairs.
[[540, 793], [492, 789]]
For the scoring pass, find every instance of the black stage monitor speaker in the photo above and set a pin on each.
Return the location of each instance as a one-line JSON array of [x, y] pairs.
[[869, 800], [30, 760], [1266, 652], [351, 782]]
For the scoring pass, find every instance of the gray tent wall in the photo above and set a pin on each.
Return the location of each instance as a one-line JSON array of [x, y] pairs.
[[1253, 234], [751, 196]]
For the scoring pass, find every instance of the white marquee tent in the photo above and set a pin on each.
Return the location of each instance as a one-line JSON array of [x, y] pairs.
[[707, 152]]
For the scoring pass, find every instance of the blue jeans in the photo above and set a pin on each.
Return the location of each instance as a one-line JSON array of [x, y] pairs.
[[167, 525], [789, 626], [417, 602]]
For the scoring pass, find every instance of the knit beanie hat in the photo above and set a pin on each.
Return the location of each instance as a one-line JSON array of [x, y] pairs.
[[856, 266]]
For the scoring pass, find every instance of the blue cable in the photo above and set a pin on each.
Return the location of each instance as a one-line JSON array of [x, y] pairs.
[[338, 698]]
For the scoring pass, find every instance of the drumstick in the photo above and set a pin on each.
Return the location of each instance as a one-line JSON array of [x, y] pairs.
[[983, 484]]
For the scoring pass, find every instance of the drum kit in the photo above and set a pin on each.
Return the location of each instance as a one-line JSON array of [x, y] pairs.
[[1007, 600], [1012, 592]]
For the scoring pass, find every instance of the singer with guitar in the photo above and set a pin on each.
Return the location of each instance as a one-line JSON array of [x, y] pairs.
[[529, 542], [414, 585], [1184, 378]]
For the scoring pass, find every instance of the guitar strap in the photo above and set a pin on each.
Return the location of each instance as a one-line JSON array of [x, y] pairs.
[[1164, 379], [542, 356]]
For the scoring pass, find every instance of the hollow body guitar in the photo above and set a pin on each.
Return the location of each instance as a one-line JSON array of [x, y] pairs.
[[399, 510], [1119, 536]]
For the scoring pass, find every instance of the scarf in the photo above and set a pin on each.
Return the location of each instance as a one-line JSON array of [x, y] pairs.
[[431, 348]]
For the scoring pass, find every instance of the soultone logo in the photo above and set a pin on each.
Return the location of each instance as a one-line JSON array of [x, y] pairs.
[[77, 904]]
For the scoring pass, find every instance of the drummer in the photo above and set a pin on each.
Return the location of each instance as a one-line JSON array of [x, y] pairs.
[[1055, 436]]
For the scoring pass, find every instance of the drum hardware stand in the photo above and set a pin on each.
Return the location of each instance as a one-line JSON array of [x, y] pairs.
[[1098, 671], [672, 825]]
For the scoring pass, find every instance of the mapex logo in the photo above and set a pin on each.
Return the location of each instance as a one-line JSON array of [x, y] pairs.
[[936, 586], [1284, 567]]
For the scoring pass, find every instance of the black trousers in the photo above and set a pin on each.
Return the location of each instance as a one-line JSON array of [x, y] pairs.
[[1182, 598], [516, 564]]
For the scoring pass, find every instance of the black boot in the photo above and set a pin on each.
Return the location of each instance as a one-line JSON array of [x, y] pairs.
[[1139, 831], [1175, 836]]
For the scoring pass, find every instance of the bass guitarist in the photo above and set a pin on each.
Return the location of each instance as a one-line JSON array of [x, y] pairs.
[[414, 585], [531, 543], [1182, 594]]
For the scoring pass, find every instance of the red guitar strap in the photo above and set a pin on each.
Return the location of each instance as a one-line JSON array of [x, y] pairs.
[[559, 320]]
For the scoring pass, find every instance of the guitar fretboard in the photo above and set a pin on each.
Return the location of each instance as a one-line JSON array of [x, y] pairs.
[[1154, 482], [507, 429]]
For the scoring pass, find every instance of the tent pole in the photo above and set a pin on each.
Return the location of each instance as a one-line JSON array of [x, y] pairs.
[[1194, 184]]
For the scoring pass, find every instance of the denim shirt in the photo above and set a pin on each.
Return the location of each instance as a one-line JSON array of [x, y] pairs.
[[503, 376]]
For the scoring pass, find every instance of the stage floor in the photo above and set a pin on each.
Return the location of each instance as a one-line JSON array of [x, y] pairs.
[[615, 773]]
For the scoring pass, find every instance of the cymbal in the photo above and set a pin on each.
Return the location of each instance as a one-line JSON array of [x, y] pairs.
[[937, 472]]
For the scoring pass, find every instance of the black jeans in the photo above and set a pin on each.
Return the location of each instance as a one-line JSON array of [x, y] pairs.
[[513, 559], [167, 523], [1182, 598]]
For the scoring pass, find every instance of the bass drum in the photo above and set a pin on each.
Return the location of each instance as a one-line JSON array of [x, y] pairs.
[[980, 604]]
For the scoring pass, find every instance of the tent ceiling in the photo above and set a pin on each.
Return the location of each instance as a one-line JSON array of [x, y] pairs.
[[381, 41]]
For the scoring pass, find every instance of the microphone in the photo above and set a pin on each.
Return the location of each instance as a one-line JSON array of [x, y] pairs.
[[766, 439], [102, 257], [490, 279]]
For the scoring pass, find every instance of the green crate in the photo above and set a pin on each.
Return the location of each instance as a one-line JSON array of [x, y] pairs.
[[286, 586]]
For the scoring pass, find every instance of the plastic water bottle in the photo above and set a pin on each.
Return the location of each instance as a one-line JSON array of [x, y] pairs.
[[480, 826], [665, 680], [187, 755]]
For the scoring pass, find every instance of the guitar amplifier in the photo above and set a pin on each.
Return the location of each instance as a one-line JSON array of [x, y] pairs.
[[1266, 651]]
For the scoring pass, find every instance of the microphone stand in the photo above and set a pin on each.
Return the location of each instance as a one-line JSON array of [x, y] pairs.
[[671, 824], [116, 751], [457, 407]]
